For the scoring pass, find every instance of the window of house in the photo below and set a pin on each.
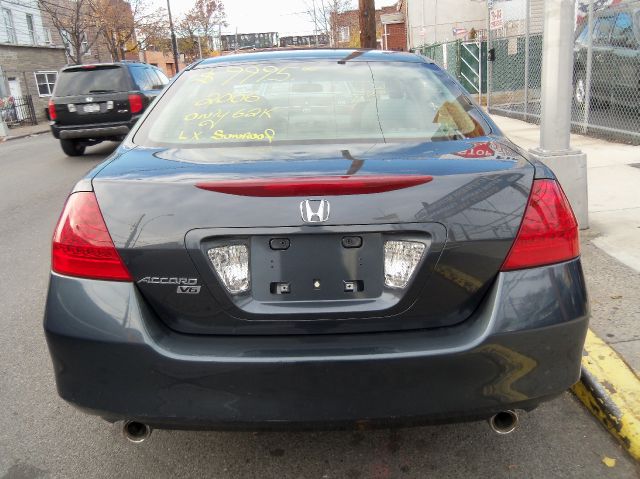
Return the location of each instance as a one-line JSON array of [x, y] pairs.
[[31, 31], [45, 81], [343, 33], [9, 27], [68, 44]]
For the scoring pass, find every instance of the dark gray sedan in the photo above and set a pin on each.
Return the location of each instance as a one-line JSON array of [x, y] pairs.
[[315, 238]]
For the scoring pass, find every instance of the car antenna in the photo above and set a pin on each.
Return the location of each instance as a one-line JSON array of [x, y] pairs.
[[351, 56]]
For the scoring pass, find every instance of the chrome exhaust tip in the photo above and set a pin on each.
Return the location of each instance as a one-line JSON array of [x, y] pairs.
[[135, 431], [504, 422]]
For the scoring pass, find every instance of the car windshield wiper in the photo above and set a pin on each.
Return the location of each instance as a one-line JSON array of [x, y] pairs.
[[102, 91]]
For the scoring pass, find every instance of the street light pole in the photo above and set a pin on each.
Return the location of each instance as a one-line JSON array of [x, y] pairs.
[[174, 42], [555, 150]]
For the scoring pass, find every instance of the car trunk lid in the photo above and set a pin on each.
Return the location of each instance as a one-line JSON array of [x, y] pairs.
[[165, 226]]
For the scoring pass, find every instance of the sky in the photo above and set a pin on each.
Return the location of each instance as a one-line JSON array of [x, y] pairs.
[[287, 17]]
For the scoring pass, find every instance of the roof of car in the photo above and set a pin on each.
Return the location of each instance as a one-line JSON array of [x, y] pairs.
[[309, 54], [106, 64]]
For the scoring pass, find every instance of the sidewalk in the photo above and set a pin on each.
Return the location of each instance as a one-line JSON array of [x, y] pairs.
[[22, 131], [614, 230]]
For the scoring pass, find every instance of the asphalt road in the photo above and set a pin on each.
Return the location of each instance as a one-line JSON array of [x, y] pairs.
[[42, 436]]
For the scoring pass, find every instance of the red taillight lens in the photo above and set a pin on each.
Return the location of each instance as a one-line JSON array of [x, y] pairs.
[[52, 110], [82, 245], [135, 103], [549, 231], [315, 186]]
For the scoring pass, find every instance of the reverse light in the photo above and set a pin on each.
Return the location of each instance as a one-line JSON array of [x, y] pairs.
[[549, 230], [52, 110], [315, 185], [231, 263], [135, 103], [400, 261], [82, 245]]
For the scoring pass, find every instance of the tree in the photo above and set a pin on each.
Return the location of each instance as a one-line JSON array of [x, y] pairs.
[[324, 15], [75, 24], [128, 26], [197, 27]]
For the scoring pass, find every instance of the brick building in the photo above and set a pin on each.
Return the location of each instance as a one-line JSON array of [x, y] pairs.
[[391, 34], [161, 59]]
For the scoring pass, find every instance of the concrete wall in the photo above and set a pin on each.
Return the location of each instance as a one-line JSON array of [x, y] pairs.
[[433, 21]]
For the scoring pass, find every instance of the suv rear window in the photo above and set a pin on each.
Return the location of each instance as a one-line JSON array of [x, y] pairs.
[[90, 79], [262, 103]]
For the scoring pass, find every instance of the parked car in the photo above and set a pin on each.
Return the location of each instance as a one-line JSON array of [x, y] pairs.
[[390, 259], [101, 102], [615, 64]]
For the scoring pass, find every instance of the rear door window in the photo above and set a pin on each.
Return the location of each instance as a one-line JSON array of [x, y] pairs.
[[90, 79], [145, 78], [622, 35], [602, 30], [161, 76]]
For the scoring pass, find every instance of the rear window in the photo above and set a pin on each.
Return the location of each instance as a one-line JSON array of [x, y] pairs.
[[85, 80], [263, 103]]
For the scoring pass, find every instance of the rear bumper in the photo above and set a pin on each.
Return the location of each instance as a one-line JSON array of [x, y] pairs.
[[113, 358], [92, 131]]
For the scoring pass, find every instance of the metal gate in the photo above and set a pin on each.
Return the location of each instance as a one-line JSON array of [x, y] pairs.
[[466, 61], [18, 110]]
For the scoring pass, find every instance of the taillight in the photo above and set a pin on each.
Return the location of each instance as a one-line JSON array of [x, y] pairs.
[[52, 110], [135, 103], [549, 230], [82, 245], [315, 186]]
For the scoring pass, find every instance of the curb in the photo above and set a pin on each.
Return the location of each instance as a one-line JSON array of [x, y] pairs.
[[17, 137], [610, 389]]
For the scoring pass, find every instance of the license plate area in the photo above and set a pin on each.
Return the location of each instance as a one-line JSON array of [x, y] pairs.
[[317, 267], [91, 108]]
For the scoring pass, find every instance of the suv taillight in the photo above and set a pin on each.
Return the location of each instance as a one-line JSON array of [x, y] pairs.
[[82, 245], [549, 230], [135, 103], [52, 111]]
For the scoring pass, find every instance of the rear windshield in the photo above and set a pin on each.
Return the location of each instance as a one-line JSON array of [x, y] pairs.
[[263, 103], [85, 80]]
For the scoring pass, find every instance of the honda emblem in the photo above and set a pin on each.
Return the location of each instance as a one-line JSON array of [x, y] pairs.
[[314, 211]]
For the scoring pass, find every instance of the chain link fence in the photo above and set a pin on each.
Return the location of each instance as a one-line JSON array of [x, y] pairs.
[[606, 83]]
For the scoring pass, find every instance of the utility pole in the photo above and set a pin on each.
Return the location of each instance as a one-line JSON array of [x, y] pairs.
[[174, 42], [555, 150], [367, 24]]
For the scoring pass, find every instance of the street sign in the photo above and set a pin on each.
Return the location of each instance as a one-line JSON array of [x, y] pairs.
[[496, 20]]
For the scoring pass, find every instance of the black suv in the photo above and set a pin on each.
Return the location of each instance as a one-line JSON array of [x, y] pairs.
[[615, 57], [101, 102]]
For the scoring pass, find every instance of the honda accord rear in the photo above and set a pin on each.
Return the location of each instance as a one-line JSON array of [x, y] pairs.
[[317, 238]]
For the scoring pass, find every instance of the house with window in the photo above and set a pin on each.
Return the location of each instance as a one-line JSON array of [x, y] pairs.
[[390, 28], [32, 51]]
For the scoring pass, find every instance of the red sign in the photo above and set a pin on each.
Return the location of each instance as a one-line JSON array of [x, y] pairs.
[[479, 150]]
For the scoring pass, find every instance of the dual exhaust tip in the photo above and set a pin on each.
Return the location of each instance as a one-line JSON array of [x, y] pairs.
[[504, 422]]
